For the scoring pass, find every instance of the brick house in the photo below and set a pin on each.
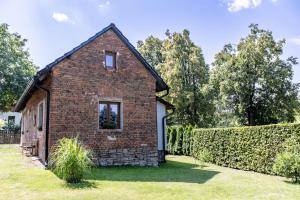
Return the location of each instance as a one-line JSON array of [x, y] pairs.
[[104, 92]]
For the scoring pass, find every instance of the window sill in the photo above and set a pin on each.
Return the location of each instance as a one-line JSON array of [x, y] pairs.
[[110, 130], [110, 69]]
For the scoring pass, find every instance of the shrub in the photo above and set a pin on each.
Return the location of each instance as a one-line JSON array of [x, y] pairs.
[[179, 139], [12, 127], [69, 159], [287, 163], [2, 123], [246, 148]]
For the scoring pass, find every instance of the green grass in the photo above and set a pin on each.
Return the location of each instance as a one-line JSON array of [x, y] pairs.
[[179, 178]]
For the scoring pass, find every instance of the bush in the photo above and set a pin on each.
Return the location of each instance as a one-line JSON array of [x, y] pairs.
[[69, 159], [2, 123], [12, 127], [287, 163], [179, 140], [246, 148]]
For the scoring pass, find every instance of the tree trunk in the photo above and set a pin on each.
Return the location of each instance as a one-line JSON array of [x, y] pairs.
[[250, 117]]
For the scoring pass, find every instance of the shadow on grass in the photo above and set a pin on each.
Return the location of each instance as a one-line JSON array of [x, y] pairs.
[[81, 185], [172, 171], [289, 181]]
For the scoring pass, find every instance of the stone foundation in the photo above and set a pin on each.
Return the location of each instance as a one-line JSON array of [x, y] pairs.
[[142, 156]]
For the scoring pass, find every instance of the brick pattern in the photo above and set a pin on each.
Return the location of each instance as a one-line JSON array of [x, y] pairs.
[[30, 131], [79, 82]]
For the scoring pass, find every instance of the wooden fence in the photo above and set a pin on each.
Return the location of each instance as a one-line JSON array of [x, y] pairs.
[[10, 137]]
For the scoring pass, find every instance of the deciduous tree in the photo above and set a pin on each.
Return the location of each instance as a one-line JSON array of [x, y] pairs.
[[15, 67], [182, 66], [252, 83]]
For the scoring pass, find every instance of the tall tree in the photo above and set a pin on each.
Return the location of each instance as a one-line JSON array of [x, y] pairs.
[[151, 50], [182, 66], [15, 67], [252, 84]]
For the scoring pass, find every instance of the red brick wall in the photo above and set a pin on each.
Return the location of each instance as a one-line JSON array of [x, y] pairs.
[[77, 85], [30, 131]]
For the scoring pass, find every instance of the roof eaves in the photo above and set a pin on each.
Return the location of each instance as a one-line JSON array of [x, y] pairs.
[[29, 87]]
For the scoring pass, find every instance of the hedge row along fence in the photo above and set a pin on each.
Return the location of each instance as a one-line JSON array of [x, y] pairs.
[[247, 148]]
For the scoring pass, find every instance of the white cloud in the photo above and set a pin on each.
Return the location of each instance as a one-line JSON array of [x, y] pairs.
[[62, 17], [107, 3], [295, 40], [237, 5]]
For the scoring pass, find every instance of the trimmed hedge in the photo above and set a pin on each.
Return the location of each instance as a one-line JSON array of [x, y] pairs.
[[247, 148], [179, 140]]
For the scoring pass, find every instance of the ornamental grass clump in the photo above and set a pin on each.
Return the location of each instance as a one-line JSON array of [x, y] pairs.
[[70, 160]]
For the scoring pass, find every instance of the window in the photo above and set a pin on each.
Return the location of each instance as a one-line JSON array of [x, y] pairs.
[[110, 60], [11, 119], [41, 116], [109, 115]]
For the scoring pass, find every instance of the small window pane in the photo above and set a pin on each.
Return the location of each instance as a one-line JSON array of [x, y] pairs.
[[109, 60], [114, 115], [41, 115], [103, 120]]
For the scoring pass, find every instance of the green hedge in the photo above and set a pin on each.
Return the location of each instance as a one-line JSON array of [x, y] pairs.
[[247, 148], [179, 140]]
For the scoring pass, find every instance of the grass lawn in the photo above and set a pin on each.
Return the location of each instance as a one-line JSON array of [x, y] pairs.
[[179, 178]]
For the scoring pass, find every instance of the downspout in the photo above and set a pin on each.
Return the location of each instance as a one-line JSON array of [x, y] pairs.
[[163, 131], [47, 124]]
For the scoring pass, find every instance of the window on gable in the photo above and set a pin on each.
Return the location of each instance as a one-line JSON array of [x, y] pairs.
[[110, 60], [109, 115], [40, 116]]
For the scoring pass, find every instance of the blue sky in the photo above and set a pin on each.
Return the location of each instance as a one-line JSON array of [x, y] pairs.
[[54, 27]]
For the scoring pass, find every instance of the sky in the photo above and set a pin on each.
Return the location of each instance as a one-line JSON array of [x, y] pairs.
[[53, 27]]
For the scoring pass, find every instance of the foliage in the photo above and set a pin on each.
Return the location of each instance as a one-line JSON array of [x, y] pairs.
[[69, 159], [181, 64], [203, 156], [2, 123], [287, 163], [179, 140], [151, 49], [15, 67], [247, 148], [251, 84], [12, 127]]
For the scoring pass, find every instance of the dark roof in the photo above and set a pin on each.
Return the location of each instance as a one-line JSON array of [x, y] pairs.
[[166, 103], [160, 84]]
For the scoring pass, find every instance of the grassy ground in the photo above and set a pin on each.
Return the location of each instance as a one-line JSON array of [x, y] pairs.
[[180, 178]]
